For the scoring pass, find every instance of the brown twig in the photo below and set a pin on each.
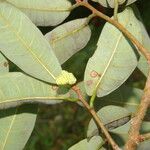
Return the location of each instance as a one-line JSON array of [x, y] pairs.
[[119, 26], [138, 118], [96, 118], [145, 102]]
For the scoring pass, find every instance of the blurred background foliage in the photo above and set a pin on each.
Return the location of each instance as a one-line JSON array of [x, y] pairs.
[[60, 126]]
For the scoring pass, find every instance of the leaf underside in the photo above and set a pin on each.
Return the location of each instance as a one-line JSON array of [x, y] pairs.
[[95, 143], [16, 124], [44, 12], [112, 117], [115, 57], [24, 45], [68, 38], [111, 3], [17, 88]]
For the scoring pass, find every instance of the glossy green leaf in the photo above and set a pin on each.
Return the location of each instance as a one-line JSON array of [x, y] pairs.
[[142, 64], [25, 45], [95, 143], [111, 116], [4, 66], [69, 38], [44, 12], [17, 88], [115, 58], [121, 133], [110, 3]]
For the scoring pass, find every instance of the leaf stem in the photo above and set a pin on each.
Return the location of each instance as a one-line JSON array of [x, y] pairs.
[[119, 26], [96, 118], [145, 101], [89, 18], [116, 9], [140, 47], [93, 98]]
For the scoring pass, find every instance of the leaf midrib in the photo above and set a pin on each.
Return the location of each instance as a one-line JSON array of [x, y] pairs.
[[11, 125], [111, 58], [26, 46], [69, 33], [32, 99]]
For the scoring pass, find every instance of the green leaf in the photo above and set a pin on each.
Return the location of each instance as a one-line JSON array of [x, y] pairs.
[[72, 65], [142, 64], [24, 45], [95, 143], [4, 66], [110, 3], [44, 12], [115, 58], [124, 96], [16, 126], [111, 116], [69, 38], [17, 89], [144, 145], [121, 133]]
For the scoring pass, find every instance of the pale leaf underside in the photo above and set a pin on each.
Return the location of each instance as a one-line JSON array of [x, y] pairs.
[[17, 88], [111, 3], [44, 12], [4, 66], [94, 143], [69, 38], [112, 117], [115, 57], [142, 64], [16, 124], [25, 45]]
